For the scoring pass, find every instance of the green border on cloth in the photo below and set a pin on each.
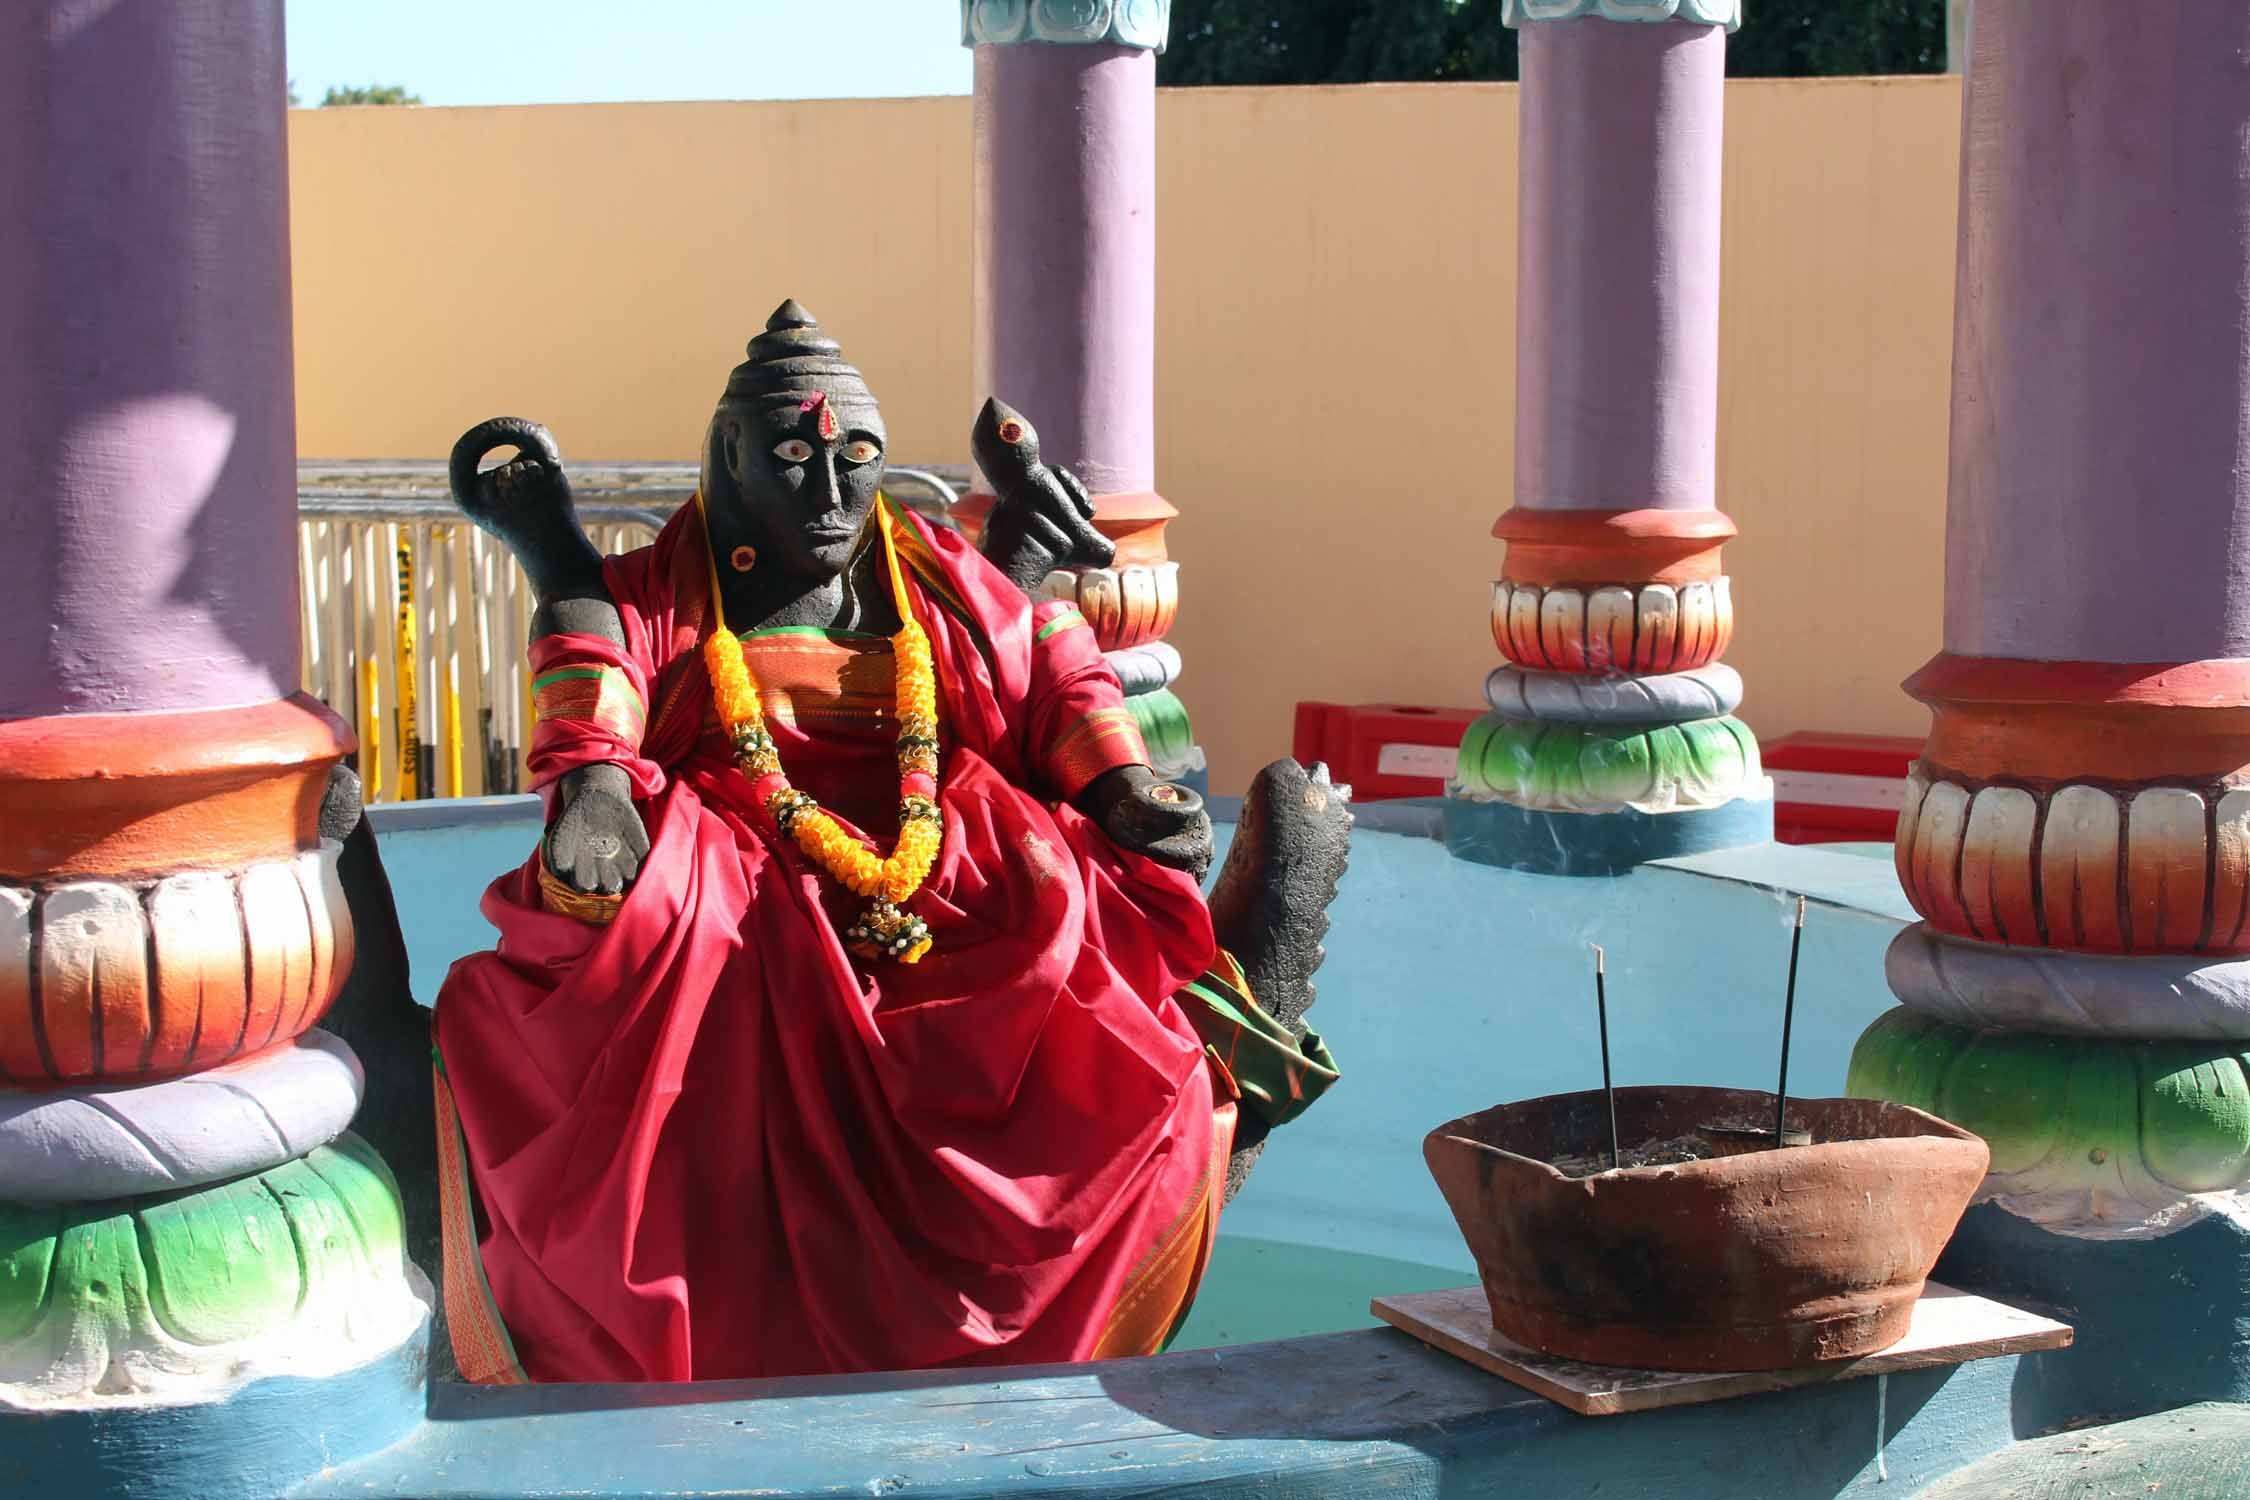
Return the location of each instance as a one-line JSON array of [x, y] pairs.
[[1279, 1075]]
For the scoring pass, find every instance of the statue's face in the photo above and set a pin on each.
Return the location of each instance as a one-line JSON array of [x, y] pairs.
[[805, 473]]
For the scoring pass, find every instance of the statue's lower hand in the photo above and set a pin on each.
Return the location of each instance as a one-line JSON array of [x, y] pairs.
[[596, 846], [1148, 816]]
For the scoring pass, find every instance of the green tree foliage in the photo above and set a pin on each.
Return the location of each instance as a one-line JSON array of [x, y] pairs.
[[1407, 41], [1335, 41], [373, 93], [1831, 38]]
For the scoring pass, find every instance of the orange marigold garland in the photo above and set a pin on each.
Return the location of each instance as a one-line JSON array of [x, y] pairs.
[[883, 930]]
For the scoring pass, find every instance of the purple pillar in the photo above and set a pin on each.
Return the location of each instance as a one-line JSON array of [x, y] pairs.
[[1066, 302], [1613, 564], [147, 428], [1617, 293], [2076, 834], [1066, 252], [169, 904], [2099, 507]]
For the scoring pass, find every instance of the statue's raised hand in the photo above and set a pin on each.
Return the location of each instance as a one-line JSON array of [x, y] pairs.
[[1044, 519], [1150, 816], [525, 495], [526, 503], [598, 841]]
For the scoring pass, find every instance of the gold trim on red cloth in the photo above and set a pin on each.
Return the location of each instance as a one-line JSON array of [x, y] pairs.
[[921, 558], [1162, 1287], [560, 898], [808, 678], [1101, 740], [593, 695], [481, 1346]]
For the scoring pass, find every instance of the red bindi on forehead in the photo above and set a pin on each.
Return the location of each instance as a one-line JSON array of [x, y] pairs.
[[818, 402]]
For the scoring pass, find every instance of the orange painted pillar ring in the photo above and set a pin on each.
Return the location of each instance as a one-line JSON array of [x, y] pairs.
[[125, 796], [167, 904], [1596, 548]]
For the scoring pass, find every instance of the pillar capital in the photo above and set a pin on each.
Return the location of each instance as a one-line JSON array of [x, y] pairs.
[[1727, 13], [1143, 24]]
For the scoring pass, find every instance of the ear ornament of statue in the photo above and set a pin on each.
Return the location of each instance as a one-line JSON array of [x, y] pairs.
[[743, 559]]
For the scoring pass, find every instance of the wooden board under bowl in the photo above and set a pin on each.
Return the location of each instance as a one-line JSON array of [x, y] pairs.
[[1949, 1327]]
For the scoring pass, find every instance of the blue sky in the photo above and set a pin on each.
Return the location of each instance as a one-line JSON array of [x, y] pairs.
[[568, 51]]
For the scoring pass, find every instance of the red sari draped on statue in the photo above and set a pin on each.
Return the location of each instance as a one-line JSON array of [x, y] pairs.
[[707, 1142]]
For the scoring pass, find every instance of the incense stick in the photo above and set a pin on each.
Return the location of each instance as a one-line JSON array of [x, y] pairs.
[[1609, 1091], [1788, 1018]]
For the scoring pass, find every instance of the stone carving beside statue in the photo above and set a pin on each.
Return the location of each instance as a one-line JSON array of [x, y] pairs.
[[860, 1008]]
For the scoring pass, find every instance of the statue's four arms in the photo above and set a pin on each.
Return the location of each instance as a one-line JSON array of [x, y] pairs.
[[791, 487]]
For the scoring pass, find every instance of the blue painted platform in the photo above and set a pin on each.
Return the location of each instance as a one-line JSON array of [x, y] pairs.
[[2160, 1322]]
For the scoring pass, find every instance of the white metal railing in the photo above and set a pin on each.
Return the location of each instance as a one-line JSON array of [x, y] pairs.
[[414, 622]]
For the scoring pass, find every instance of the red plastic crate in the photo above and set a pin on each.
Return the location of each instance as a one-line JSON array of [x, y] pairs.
[[1384, 750], [1838, 788]]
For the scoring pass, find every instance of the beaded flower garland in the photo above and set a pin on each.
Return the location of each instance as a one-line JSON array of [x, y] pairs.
[[883, 930]]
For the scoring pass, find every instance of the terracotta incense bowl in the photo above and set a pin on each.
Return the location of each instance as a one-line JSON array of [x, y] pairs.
[[1741, 1260]]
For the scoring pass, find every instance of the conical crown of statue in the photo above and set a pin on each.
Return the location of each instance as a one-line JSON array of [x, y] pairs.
[[792, 360]]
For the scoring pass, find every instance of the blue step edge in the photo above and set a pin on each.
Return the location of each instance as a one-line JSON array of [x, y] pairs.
[[1343, 1415]]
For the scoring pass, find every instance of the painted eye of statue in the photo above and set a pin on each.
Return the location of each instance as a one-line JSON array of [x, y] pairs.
[[793, 451], [862, 452]]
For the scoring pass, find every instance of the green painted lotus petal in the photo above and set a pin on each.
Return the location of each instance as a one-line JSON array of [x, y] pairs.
[[1727, 750], [1494, 758], [1557, 775], [2129, 1128], [1163, 721], [1469, 777], [366, 1190], [222, 1264], [2196, 1120], [27, 1256], [1558, 766], [1621, 768], [2004, 1088], [98, 1277], [1716, 757], [298, 1263], [2093, 1121], [1902, 1057]]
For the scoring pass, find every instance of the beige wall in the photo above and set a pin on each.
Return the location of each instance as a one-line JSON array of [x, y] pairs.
[[1336, 369]]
